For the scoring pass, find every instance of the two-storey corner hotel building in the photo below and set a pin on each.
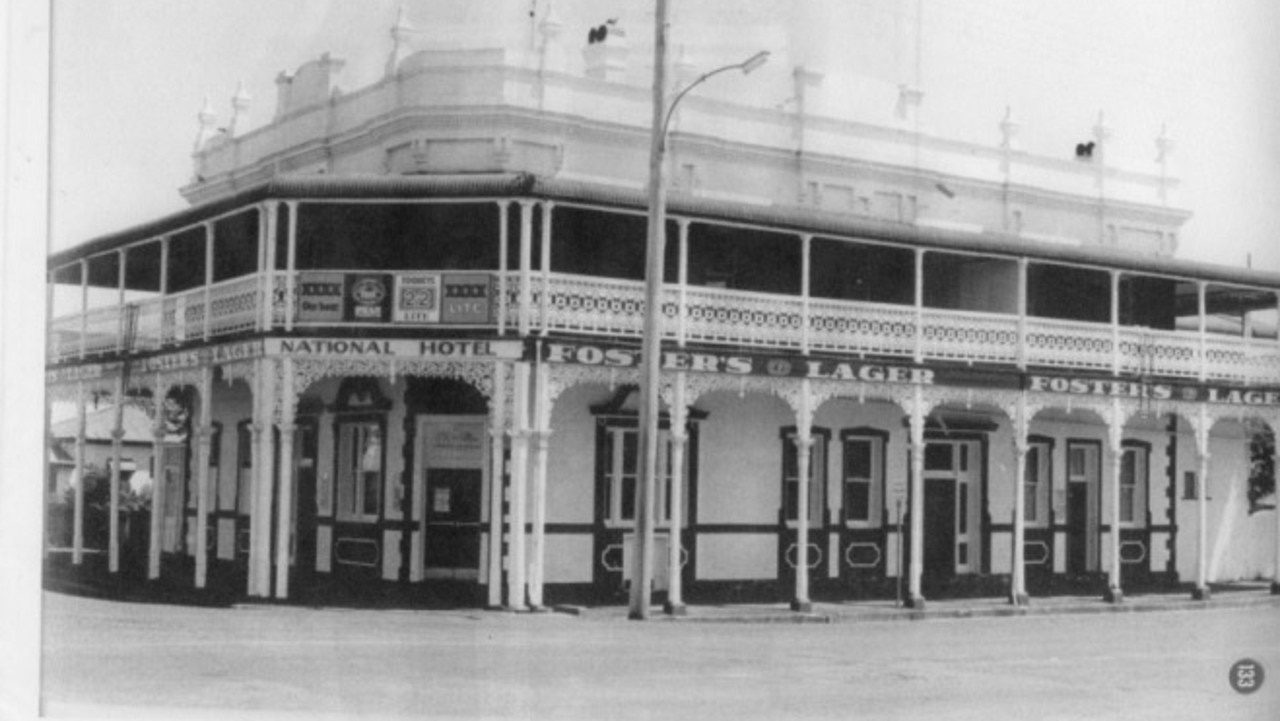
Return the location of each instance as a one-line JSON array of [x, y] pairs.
[[392, 351]]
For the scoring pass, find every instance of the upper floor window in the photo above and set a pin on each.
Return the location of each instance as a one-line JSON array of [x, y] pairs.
[[397, 236], [863, 464], [817, 480]]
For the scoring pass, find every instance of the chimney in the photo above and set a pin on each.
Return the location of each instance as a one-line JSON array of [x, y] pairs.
[[284, 88], [207, 119], [606, 52], [239, 112]]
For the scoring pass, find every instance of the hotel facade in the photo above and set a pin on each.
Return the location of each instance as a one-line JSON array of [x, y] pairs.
[[392, 350]]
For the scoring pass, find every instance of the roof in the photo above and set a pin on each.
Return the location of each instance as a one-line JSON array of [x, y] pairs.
[[99, 424], [304, 187]]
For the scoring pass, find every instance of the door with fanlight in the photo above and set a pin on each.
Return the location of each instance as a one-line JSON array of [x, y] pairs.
[[451, 477]]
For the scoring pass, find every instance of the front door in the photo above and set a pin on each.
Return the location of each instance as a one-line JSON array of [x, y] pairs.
[[952, 505], [1082, 508], [939, 529], [453, 522], [451, 477], [304, 499], [173, 475]]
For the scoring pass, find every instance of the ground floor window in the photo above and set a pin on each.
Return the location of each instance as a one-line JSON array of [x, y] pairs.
[[1036, 482], [360, 464], [621, 467], [863, 466], [791, 475], [1133, 482]]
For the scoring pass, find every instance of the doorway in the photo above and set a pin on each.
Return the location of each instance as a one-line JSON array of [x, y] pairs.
[[1083, 472], [952, 510], [450, 480]]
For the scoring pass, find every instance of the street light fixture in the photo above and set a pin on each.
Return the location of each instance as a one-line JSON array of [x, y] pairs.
[[642, 559]]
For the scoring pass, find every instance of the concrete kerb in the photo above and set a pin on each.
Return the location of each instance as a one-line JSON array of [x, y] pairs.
[[872, 612]]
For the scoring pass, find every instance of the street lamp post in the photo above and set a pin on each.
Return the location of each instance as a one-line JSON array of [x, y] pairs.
[[642, 560]]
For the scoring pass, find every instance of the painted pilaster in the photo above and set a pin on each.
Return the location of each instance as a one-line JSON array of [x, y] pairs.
[[804, 444], [284, 504], [915, 599], [541, 442], [516, 599], [204, 437], [117, 447], [675, 556], [77, 514], [1018, 590], [157, 480], [497, 442], [1115, 449], [1201, 591]]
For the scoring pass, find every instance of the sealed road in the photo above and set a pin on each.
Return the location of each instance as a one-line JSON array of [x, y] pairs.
[[139, 660]]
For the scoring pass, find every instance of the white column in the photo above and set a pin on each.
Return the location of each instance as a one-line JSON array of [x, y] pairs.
[[915, 599], [1114, 593], [264, 480], [544, 265], [1204, 337], [516, 599], [77, 522], [284, 505], [209, 237], [497, 437], [84, 307], [503, 238], [682, 224], [526, 267], [1116, 363], [117, 447], [1201, 591], [675, 545], [804, 444], [205, 441], [157, 480], [541, 441], [267, 254], [805, 272], [255, 452], [1022, 313], [291, 266], [919, 301], [1018, 591]]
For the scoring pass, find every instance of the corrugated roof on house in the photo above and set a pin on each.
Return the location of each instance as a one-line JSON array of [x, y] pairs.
[[99, 423]]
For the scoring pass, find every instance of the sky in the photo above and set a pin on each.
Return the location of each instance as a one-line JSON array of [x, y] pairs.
[[129, 76]]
